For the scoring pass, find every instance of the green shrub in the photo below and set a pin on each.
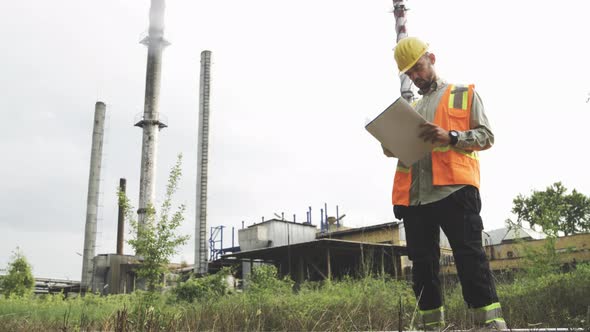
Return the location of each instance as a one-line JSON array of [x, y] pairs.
[[19, 280], [207, 287], [265, 278]]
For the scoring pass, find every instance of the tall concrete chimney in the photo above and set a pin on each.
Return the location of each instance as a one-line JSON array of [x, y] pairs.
[[121, 218], [93, 190], [150, 121], [202, 161]]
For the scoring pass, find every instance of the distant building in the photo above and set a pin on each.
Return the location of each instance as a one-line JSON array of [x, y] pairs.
[[509, 235], [303, 253], [508, 253]]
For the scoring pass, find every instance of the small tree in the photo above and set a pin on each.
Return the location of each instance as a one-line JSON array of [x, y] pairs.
[[156, 240], [554, 210], [19, 281]]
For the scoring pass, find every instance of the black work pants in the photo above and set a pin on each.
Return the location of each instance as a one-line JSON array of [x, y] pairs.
[[458, 216]]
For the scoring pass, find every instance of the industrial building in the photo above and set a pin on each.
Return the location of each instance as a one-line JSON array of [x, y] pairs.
[[301, 252]]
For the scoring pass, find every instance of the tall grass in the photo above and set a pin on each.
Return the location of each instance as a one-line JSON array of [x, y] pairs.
[[270, 304]]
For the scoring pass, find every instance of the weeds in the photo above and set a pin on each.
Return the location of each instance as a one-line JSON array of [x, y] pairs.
[[269, 304]]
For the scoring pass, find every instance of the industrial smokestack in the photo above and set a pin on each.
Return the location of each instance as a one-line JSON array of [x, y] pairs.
[[202, 159], [121, 218], [399, 11], [150, 121], [93, 189]]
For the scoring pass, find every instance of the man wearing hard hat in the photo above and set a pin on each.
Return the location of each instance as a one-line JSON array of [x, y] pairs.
[[442, 191]]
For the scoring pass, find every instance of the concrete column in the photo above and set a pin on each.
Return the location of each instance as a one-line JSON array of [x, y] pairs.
[[150, 122], [93, 192], [200, 266]]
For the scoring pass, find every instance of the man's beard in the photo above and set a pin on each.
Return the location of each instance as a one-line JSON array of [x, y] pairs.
[[423, 85]]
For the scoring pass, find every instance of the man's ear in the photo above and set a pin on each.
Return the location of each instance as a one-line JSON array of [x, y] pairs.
[[432, 58]]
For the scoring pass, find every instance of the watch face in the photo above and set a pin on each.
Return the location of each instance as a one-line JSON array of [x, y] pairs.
[[454, 135]]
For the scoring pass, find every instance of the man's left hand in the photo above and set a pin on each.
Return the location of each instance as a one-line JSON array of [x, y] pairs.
[[430, 132]]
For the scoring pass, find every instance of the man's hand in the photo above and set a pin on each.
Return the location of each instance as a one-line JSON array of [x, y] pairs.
[[387, 152], [434, 134]]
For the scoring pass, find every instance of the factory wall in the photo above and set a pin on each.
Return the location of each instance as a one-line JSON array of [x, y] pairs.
[[274, 233], [511, 255]]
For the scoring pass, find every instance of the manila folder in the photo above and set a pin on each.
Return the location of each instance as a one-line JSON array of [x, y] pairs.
[[397, 128]]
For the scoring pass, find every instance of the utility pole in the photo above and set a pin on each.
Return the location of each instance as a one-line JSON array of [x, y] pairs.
[[399, 11]]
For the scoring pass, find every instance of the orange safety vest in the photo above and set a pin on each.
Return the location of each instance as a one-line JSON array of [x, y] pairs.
[[450, 165]]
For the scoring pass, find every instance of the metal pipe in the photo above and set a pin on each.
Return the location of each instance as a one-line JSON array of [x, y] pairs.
[[202, 165], [93, 191], [121, 218], [337, 217], [310, 214], [321, 219]]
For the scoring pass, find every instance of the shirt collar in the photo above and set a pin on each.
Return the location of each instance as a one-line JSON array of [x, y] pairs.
[[438, 84]]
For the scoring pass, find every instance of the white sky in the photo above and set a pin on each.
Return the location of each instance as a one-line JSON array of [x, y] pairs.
[[292, 88]]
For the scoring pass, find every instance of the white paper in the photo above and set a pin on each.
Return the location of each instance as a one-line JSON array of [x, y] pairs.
[[397, 128]]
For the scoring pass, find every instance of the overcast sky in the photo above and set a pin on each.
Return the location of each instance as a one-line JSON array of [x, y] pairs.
[[292, 87]]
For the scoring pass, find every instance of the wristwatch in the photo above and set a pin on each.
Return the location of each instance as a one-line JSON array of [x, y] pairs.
[[454, 136]]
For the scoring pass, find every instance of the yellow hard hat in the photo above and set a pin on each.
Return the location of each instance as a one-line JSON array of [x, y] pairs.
[[408, 51]]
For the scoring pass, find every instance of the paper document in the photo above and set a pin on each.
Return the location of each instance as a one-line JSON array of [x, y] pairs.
[[397, 128]]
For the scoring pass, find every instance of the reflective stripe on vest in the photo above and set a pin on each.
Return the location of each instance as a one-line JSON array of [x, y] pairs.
[[472, 154], [488, 314], [450, 165]]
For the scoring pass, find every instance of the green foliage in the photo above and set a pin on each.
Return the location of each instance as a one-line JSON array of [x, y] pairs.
[[553, 299], [265, 278], [554, 210], [371, 303], [19, 280], [542, 261], [208, 287], [155, 240]]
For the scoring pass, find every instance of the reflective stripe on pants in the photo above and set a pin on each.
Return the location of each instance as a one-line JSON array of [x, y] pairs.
[[488, 314], [433, 317]]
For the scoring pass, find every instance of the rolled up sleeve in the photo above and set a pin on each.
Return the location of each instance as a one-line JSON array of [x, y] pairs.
[[480, 136]]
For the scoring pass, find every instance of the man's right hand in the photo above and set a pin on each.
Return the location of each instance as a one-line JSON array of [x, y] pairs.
[[387, 152]]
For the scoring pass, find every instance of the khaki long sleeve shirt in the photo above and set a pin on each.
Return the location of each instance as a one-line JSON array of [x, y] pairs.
[[479, 137]]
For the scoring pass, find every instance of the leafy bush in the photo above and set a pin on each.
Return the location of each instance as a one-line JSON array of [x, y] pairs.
[[207, 287], [265, 278], [19, 281]]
